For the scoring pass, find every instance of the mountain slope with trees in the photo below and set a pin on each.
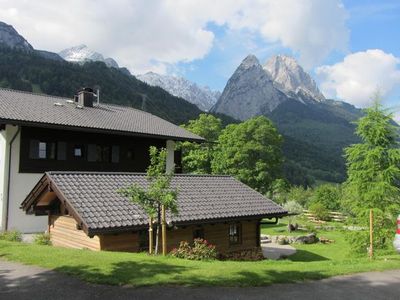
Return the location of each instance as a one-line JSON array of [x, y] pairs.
[[31, 72], [315, 129]]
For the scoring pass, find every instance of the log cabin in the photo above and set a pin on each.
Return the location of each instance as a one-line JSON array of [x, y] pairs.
[[85, 210]]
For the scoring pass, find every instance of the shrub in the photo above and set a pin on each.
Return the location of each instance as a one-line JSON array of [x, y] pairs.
[[200, 250], [42, 239], [384, 227], [300, 195], [293, 207], [328, 195], [11, 236], [320, 211]]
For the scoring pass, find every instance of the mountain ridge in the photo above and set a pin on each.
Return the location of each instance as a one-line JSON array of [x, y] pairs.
[[202, 96], [82, 53]]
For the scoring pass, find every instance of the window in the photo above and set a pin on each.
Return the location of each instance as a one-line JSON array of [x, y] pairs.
[[79, 151], [46, 150], [198, 233], [235, 235], [103, 153], [130, 154], [42, 150]]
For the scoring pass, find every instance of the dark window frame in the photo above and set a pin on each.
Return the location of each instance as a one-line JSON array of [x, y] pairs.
[[51, 149], [235, 234]]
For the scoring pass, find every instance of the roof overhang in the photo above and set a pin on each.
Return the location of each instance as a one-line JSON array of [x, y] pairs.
[[43, 195], [96, 130]]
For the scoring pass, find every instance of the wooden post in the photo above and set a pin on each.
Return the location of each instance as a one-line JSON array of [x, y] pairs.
[[371, 234], [164, 231], [150, 235]]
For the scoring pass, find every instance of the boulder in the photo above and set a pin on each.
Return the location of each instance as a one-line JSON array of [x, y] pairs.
[[306, 239]]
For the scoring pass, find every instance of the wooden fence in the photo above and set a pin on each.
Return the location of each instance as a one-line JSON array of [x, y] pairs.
[[333, 215]]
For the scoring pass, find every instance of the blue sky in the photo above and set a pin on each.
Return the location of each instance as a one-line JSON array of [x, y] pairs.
[[350, 47], [372, 25]]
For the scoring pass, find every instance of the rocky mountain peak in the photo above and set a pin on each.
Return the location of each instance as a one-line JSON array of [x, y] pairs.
[[202, 96], [11, 38], [249, 92], [291, 78], [82, 53], [250, 61]]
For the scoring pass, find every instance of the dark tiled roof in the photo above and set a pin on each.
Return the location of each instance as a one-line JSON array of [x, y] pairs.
[[34, 108], [201, 197]]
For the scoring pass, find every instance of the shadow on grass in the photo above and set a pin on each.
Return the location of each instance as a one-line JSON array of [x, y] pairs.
[[306, 256], [127, 272]]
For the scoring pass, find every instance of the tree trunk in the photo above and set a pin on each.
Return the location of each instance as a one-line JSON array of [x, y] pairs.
[[164, 231], [150, 235], [157, 238], [158, 230]]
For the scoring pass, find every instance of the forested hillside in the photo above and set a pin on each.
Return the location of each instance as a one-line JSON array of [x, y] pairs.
[[315, 136], [31, 72]]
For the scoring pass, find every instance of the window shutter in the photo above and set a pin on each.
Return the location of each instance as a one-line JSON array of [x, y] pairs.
[[61, 150], [34, 149], [115, 154], [91, 155]]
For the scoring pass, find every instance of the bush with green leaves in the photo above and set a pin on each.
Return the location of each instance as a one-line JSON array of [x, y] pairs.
[[301, 195], [200, 250], [383, 235], [328, 195], [11, 236], [293, 207], [320, 211], [42, 239]]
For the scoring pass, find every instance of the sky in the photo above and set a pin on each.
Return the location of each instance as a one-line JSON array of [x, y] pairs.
[[350, 47]]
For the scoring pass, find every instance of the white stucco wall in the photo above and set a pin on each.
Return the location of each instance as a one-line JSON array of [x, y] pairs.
[[2, 170], [20, 185]]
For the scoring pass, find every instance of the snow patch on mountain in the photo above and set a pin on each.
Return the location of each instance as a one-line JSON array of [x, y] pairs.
[[202, 96], [82, 53]]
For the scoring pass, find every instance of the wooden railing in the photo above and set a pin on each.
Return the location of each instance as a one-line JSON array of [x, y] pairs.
[[333, 215]]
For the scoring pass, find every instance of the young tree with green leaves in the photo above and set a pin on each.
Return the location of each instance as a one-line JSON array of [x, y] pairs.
[[196, 158], [159, 194], [373, 168], [250, 151]]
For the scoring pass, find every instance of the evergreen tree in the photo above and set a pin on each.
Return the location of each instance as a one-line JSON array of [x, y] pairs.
[[373, 166]]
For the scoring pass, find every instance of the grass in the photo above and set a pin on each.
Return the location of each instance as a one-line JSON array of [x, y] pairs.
[[315, 261]]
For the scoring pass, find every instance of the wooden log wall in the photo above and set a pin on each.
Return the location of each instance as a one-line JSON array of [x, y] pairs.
[[63, 233]]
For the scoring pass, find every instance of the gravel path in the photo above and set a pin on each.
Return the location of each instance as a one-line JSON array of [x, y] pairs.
[[19, 281]]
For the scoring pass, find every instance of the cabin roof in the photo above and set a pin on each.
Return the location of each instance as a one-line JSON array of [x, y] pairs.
[[17, 107], [93, 199]]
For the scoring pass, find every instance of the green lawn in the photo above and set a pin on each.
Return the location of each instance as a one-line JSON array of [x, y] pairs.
[[311, 262]]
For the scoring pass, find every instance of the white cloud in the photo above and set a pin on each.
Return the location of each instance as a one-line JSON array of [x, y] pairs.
[[151, 35], [359, 76], [313, 28]]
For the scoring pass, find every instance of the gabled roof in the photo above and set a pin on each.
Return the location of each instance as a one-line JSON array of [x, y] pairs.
[[92, 198], [18, 107]]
